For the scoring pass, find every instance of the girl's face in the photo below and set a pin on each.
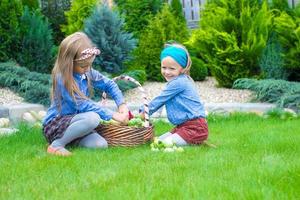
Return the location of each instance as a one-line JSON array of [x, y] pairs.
[[81, 69], [170, 68]]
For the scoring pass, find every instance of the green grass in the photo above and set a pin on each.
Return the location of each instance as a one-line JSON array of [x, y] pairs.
[[256, 158]]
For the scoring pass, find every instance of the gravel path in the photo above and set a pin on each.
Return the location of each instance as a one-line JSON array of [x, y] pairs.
[[207, 89]]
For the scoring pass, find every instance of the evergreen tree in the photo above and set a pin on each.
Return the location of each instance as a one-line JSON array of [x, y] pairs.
[[54, 11], [176, 8], [105, 28], [10, 12], [36, 42], [80, 10], [272, 63], [138, 13], [31, 4], [162, 28]]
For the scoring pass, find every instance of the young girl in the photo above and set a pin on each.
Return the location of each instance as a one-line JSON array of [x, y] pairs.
[[72, 117], [181, 99]]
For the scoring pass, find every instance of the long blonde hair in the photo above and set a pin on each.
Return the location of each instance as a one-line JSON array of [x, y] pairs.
[[69, 50]]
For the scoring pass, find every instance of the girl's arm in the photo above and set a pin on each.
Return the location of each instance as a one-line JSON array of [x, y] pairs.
[[107, 85], [172, 88], [80, 105]]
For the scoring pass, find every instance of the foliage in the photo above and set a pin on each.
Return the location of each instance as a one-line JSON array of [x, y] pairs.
[[162, 28], [79, 11], [176, 8], [271, 62], [10, 11], [105, 28], [31, 4], [198, 69], [54, 11], [36, 42], [287, 27], [232, 37], [138, 13], [281, 92], [32, 86]]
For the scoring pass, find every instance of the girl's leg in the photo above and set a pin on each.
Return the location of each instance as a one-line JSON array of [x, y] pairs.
[[81, 125], [176, 139], [93, 140]]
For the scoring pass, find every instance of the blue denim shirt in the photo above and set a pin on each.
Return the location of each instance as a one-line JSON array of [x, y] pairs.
[[181, 100], [70, 107]]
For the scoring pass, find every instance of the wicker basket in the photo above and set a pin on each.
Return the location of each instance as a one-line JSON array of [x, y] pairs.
[[120, 135]]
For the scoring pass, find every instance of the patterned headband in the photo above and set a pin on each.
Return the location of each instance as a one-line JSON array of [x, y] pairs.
[[88, 53]]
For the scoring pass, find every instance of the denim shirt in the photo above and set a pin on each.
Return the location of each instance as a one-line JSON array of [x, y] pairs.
[[181, 100], [80, 105]]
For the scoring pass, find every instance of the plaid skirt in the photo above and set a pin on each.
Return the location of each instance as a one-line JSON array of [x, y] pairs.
[[194, 131], [56, 128]]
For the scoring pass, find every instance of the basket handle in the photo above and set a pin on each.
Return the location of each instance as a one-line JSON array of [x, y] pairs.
[[145, 101]]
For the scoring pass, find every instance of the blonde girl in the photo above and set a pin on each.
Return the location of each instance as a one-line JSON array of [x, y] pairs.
[[73, 116], [180, 98]]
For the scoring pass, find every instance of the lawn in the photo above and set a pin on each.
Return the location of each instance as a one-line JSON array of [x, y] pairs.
[[256, 158]]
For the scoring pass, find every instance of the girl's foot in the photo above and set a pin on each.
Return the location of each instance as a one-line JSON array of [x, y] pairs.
[[59, 151]]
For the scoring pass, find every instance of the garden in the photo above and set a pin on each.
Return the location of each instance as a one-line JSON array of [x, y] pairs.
[[242, 44]]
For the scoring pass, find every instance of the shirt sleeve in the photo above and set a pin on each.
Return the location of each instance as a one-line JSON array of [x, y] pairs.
[[173, 88], [83, 105], [107, 85]]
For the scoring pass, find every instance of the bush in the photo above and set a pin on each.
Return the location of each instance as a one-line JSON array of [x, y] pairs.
[[32, 86], [54, 11], [138, 13], [281, 92], [10, 12], [36, 52], [75, 17], [31, 4], [162, 28], [271, 63], [198, 70], [287, 26], [105, 28], [232, 37]]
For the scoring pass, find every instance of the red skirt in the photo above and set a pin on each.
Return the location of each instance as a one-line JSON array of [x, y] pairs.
[[194, 131]]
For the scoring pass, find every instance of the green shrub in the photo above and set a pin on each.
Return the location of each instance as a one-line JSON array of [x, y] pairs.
[[54, 11], [32, 86], [232, 37], [198, 69], [287, 26], [162, 28], [105, 28], [138, 13], [10, 12], [281, 92], [271, 62], [75, 17], [36, 52], [31, 4]]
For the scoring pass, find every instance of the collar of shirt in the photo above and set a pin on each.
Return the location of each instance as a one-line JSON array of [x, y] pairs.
[[79, 76]]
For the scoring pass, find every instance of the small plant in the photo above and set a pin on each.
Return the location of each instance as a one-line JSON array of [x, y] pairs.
[[165, 146]]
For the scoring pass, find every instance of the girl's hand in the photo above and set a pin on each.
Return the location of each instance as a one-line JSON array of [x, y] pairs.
[[121, 117], [123, 108], [142, 115]]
